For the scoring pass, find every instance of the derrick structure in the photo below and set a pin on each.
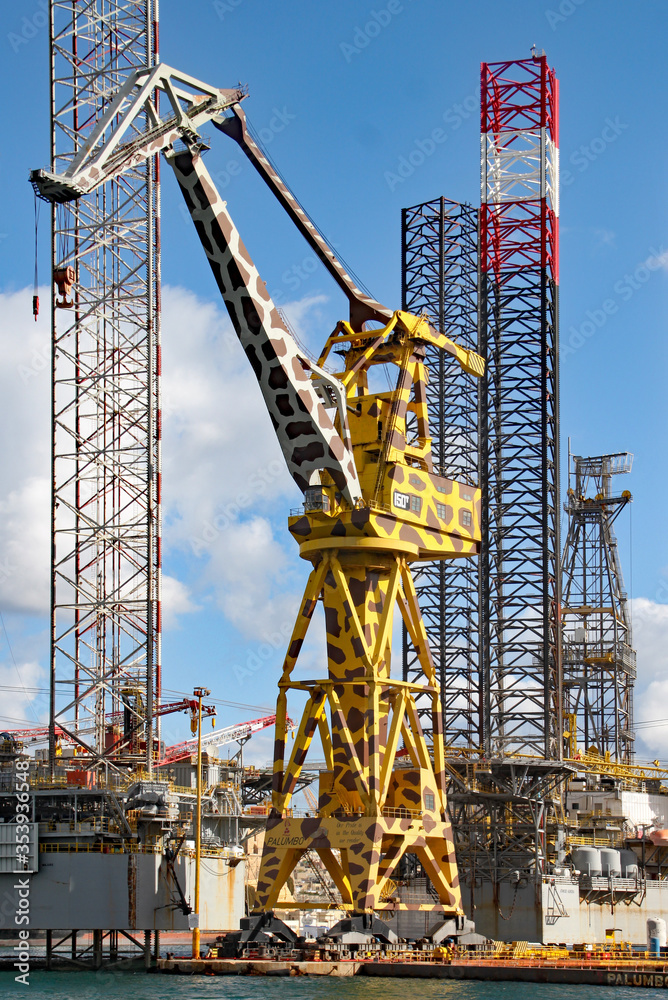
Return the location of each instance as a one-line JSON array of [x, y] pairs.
[[505, 790], [440, 278], [520, 408], [105, 588], [599, 661]]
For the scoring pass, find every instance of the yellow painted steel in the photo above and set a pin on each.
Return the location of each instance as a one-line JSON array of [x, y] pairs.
[[371, 811], [595, 763]]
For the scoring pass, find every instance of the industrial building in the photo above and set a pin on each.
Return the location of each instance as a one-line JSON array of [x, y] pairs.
[[497, 779]]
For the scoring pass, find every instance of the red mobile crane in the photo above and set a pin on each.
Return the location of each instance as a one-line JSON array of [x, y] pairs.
[[242, 732]]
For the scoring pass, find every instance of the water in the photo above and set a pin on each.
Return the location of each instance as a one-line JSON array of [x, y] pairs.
[[139, 986]]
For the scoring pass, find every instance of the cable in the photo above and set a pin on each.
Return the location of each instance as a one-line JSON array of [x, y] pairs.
[[22, 723], [35, 295], [256, 139], [33, 689], [17, 687], [631, 565], [215, 874], [221, 701], [18, 672]]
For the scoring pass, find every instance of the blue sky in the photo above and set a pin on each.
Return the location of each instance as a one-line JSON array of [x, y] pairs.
[[344, 92]]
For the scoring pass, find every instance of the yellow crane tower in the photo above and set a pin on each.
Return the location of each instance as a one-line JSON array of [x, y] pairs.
[[369, 810]]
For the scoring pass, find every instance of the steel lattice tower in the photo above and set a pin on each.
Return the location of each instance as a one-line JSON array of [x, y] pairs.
[[599, 662], [105, 599], [520, 419], [440, 278]]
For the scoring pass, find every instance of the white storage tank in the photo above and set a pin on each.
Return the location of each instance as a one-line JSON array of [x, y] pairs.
[[610, 862], [587, 860], [656, 934], [629, 862]]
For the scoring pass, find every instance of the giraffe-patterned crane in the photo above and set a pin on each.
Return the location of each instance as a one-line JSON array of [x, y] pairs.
[[373, 505]]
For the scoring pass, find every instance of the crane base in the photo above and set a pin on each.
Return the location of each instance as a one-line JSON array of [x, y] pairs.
[[361, 853], [360, 928]]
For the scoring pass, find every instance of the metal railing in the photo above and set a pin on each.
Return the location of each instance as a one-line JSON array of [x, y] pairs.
[[597, 841], [100, 824], [388, 812], [51, 847]]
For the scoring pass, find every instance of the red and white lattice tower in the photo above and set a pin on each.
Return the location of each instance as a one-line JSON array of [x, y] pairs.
[[105, 598], [520, 419]]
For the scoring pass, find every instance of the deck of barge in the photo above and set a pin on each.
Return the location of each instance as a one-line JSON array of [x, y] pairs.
[[638, 973]]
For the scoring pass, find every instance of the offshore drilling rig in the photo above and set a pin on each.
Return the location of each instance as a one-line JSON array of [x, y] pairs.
[[439, 494]]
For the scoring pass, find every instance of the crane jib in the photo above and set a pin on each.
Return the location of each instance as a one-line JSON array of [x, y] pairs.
[[305, 431]]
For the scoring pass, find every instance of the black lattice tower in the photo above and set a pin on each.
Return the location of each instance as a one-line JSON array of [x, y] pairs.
[[599, 661], [504, 815], [520, 418], [105, 599], [440, 278]]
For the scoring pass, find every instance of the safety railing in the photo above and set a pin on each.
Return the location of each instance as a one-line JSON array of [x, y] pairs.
[[54, 847], [614, 837], [388, 812], [98, 825]]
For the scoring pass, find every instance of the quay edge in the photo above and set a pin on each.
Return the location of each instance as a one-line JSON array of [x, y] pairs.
[[649, 975]]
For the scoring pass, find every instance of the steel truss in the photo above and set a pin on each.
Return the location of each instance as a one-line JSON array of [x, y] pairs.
[[507, 818], [599, 662], [440, 278], [86, 950], [520, 639], [105, 597]]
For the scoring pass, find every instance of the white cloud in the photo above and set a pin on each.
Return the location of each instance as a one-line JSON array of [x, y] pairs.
[[24, 390], [24, 469], [658, 259], [220, 455], [224, 474], [259, 751], [303, 314], [650, 638], [176, 600], [17, 684], [25, 548], [251, 576]]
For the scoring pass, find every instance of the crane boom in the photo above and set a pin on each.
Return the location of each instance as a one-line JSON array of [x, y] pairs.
[[40, 734], [362, 306], [130, 130], [296, 404], [219, 738]]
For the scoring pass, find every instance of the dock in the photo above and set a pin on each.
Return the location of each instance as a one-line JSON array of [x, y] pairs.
[[642, 973]]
